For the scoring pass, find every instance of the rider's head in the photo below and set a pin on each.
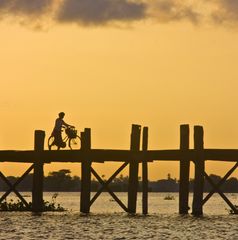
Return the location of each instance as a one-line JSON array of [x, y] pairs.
[[61, 114]]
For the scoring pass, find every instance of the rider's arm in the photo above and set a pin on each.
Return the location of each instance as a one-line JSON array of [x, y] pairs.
[[66, 124]]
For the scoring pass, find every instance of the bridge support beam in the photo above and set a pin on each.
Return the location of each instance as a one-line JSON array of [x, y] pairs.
[[38, 175], [184, 171], [199, 172], [85, 172], [133, 169], [145, 172]]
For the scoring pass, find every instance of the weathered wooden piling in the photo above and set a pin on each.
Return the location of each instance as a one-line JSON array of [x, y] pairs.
[[38, 175], [133, 169], [85, 172], [145, 172], [184, 170], [199, 171]]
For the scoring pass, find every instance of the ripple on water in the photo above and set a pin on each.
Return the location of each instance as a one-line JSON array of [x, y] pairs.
[[115, 226], [108, 222]]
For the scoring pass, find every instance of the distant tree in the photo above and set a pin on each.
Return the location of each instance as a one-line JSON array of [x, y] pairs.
[[63, 181], [215, 179], [120, 184], [59, 181]]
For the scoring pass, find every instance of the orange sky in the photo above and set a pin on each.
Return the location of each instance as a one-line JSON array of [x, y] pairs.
[[168, 66]]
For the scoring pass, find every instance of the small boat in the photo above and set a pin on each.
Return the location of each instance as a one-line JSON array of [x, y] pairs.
[[169, 197]]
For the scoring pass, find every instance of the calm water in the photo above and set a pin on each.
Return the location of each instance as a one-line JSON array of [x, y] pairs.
[[108, 221]]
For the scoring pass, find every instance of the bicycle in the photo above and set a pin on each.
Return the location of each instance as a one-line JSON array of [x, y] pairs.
[[74, 141]]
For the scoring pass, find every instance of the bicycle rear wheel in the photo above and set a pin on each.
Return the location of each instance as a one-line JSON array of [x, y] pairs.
[[75, 143], [51, 144]]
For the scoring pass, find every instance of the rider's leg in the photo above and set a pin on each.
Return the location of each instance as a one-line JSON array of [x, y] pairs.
[[61, 142], [58, 138]]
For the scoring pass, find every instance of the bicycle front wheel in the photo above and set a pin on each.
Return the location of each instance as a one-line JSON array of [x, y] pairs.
[[51, 144], [75, 143]]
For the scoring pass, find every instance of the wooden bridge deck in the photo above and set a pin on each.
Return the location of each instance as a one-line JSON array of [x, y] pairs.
[[102, 155], [131, 158]]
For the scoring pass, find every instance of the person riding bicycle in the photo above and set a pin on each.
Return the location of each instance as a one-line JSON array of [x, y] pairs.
[[59, 124]]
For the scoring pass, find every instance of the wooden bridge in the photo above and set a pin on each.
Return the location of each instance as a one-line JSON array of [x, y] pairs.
[[137, 154]]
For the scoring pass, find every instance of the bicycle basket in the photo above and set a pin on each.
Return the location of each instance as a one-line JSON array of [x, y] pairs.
[[72, 133]]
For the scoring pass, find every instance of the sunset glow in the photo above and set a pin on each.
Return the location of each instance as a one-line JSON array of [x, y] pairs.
[[154, 63]]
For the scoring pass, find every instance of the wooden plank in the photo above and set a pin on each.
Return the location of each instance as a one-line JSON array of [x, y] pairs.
[[12, 187], [85, 172], [17, 156], [220, 183], [110, 155], [145, 172], [38, 174], [184, 171], [199, 172], [235, 210], [97, 155], [133, 169], [109, 190], [105, 184], [226, 155]]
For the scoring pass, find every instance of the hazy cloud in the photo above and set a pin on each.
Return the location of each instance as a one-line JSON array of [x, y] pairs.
[[172, 10], [226, 12], [100, 11], [104, 12], [25, 7]]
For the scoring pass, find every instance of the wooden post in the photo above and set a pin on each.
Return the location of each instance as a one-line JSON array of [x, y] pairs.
[[199, 171], [38, 175], [184, 170], [85, 172], [145, 172], [133, 169]]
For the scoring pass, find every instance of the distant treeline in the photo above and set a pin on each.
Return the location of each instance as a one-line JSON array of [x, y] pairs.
[[63, 181]]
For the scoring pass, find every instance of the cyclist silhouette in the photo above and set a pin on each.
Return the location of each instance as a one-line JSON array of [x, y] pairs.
[[59, 124]]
